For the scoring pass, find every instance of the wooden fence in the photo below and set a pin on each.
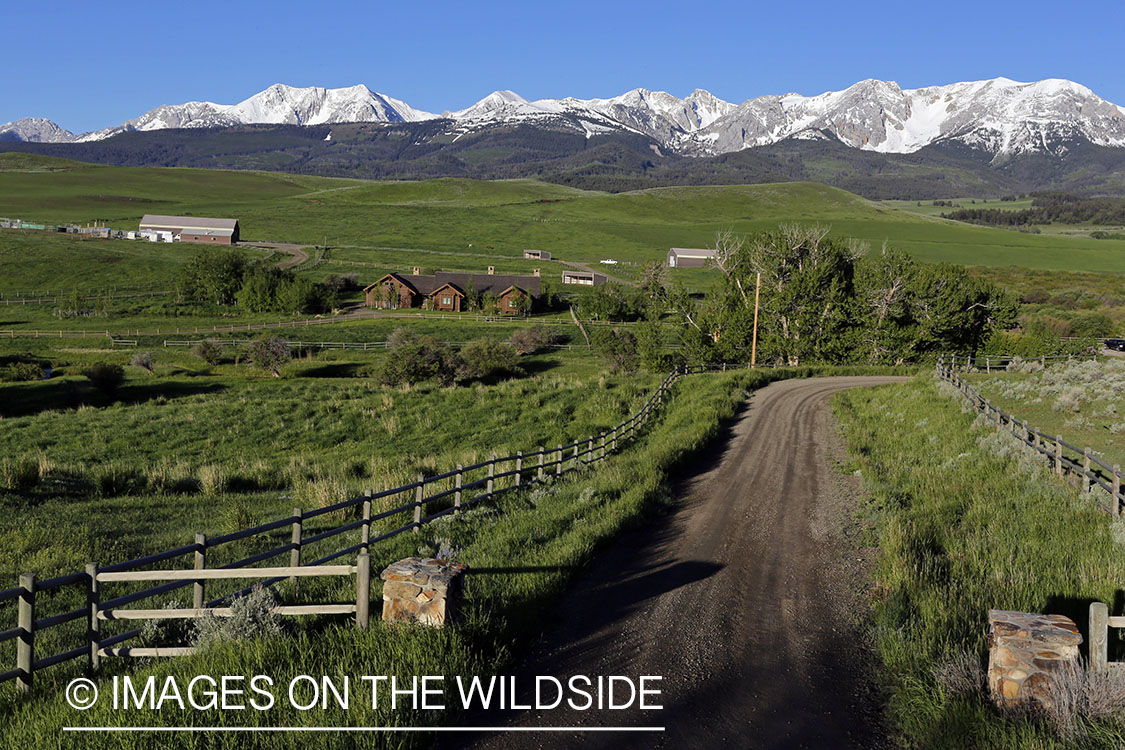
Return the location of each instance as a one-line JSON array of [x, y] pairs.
[[1099, 625], [422, 501], [350, 345], [1067, 461], [68, 298]]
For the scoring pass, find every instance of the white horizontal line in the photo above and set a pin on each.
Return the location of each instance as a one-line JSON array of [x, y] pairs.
[[363, 729]]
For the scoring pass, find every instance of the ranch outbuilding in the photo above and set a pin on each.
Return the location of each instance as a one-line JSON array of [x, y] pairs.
[[196, 229], [686, 257]]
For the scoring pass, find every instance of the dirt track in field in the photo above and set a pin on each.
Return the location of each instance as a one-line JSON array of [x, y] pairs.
[[745, 598]]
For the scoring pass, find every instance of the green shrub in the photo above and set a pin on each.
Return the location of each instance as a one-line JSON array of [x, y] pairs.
[[269, 353], [488, 358], [251, 617], [105, 377], [145, 361], [532, 340], [414, 359], [617, 346], [21, 371], [209, 350]]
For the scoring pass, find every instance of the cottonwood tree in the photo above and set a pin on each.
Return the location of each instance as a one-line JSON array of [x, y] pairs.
[[886, 285], [828, 300], [213, 275], [807, 294]]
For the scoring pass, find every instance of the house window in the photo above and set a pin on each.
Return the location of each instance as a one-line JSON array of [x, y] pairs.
[[512, 302], [447, 300]]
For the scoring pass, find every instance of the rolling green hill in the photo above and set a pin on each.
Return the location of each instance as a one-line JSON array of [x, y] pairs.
[[502, 218]]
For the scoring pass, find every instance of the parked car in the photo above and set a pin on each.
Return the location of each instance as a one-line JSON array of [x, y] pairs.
[[1118, 344], [609, 262]]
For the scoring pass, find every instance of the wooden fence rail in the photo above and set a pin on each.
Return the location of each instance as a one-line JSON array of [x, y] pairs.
[[350, 345], [1066, 460], [423, 501]]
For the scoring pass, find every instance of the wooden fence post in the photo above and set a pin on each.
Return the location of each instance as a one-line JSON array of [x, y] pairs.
[[362, 591], [295, 542], [457, 489], [1116, 489], [519, 467], [613, 446], [365, 529], [601, 456], [491, 474], [1099, 640], [200, 564], [539, 473], [25, 644], [94, 626], [559, 465], [1058, 455], [1086, 469], [418, 494]]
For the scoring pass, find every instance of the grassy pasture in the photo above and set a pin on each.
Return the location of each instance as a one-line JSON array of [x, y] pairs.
[[1082, 401], [319, 422], [927, 208], [449, 215]]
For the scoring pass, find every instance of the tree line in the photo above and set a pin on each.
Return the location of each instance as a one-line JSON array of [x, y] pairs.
[[1048, 208], [822, 300], [227, 278]]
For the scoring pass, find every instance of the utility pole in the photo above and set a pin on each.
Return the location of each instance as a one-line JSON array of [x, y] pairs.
[[754, 340]]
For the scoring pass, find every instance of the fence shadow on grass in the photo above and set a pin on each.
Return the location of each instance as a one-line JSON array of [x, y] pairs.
[[333, 370], [29, 399], [1077, 608]]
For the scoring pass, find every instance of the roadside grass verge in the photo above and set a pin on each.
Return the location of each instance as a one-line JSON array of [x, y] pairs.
[[526, 548], [965, 524]]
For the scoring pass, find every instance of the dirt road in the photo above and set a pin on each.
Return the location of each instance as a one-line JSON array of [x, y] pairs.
[[743, 598]]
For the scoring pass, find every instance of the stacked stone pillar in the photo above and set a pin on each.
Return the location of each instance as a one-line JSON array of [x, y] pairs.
[[1025, 650], [426, 591]]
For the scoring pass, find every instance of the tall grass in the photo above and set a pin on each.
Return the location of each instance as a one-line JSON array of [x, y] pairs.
[[964, 527]]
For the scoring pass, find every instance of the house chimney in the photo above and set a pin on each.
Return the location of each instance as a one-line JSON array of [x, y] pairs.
[[491, 270], [417, 271], [536, 271]]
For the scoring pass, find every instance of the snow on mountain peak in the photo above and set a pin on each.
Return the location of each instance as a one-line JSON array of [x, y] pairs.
[[998, 115]]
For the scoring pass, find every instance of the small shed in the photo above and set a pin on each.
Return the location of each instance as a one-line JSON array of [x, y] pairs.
[[686, 257], [536, 254], [583, 278]]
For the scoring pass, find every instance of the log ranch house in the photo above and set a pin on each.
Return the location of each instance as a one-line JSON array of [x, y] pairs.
[[447, 291]]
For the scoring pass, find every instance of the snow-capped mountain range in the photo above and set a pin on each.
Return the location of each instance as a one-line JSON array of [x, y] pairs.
[[998, 116]]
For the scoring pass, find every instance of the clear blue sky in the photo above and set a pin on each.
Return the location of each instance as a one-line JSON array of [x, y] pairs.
[[88, 65]]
